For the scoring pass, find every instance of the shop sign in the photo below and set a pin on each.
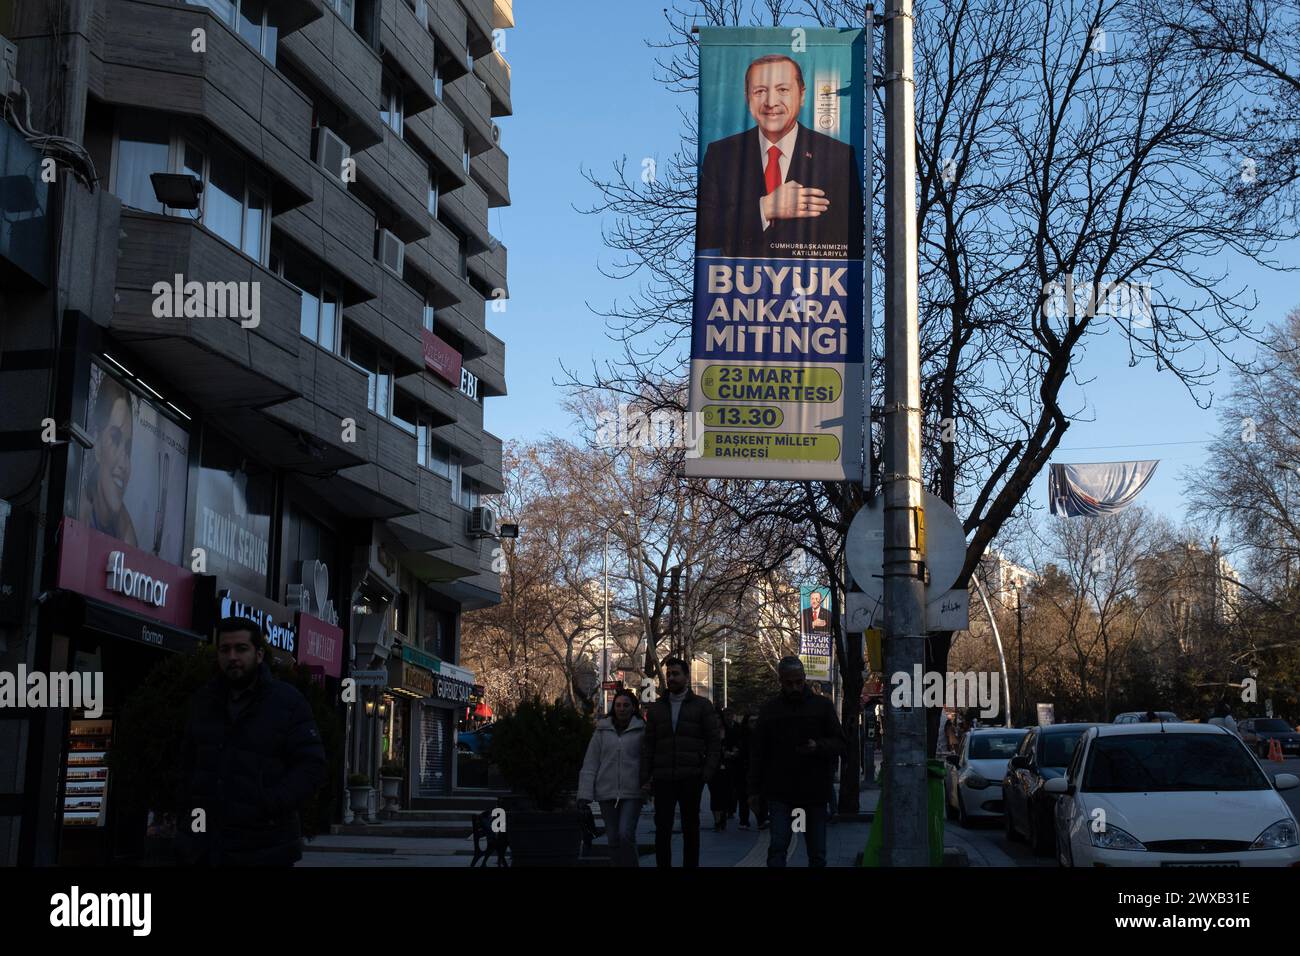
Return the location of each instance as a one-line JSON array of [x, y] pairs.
[[109, 570], [416, 680], [320, 644], [276, 621]]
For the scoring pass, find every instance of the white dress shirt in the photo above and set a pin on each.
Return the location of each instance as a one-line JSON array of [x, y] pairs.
[[786, 145]]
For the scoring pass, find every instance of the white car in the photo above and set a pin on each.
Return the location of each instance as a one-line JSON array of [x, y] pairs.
[[973, 784], [1171, 795]]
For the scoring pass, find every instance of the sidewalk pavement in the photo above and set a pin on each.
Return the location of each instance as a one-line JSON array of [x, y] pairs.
[[733, 847]]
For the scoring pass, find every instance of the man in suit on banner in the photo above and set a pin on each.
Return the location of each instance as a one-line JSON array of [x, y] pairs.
[[815, 618], [766, 189]]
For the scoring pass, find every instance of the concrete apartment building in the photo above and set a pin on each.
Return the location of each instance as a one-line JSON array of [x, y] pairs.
[[245, 273]]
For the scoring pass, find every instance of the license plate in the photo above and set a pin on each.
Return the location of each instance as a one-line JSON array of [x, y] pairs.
[[1232, 864]]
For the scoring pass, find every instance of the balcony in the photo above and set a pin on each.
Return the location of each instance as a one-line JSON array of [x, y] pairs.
[[503, 14], [490, 367], [144, 59], [458, 318], [470, 100], [395, 171], [488, 473], [479, 14], [468, 208], [394, 319], [215, 362], [439, 132], [410, 44], [24, 219], [385, 485], [492, 171], [494, 70], [431, 393], [448, 22], [345, 69], [336, 228], [490, 266], [429, 528]]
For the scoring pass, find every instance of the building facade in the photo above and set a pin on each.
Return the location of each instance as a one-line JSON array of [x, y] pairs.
[[245, 276]]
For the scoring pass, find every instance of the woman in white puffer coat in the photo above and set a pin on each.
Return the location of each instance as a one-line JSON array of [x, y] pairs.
[[611, 776]]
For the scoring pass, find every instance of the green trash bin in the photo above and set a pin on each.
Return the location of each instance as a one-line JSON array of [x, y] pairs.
[[934, 779]]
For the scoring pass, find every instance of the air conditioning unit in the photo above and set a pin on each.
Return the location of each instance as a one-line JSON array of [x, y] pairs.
[[329, 151], [422, 12], [483, 522], [392, 252]]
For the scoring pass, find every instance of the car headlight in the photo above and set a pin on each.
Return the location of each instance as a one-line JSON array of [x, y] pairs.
[[1113, 838], [973, 780], [1280, 835]]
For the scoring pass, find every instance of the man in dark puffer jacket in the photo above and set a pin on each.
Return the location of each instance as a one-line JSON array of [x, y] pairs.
[[251, 756], [681, 749]]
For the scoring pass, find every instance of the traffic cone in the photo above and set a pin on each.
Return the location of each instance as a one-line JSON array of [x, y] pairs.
[[1275, 750]]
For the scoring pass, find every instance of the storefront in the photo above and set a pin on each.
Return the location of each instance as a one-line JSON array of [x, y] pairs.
[[118, 612], [427, 698]]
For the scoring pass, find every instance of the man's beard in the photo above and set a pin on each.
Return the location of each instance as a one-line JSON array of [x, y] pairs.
[[243, 681]]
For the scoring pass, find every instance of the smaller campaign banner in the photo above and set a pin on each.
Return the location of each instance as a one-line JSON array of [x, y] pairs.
[[815, 634]]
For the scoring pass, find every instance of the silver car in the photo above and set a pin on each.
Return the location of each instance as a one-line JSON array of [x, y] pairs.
[[973, 784]]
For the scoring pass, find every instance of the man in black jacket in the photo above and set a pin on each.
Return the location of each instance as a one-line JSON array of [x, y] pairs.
[[680, 750], [779, 189], [792, 763], [251, 757]]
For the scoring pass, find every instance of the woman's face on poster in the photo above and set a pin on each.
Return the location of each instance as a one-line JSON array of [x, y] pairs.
[[113, 452]]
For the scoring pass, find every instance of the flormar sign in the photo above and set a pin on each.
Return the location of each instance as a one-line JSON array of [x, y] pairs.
[[134, 584], [111, 571]]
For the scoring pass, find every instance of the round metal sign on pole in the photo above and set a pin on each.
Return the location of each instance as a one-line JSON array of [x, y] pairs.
[[945, 547]]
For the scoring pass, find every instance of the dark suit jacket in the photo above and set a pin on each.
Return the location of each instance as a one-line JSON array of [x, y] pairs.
[[808, 620], [729, 216]]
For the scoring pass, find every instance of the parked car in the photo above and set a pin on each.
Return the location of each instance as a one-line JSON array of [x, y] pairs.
[[1256, 732], [972, 784], [1027, 807], [475, 741], [1179, 795], [1140, 717]]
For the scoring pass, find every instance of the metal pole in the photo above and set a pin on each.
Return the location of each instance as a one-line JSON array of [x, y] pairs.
[[906, 836], [725, 662], [1020, 658], [997, 640], [604, 641]]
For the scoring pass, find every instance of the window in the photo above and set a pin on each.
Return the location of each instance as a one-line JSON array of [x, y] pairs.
[[465, 150], [436, 454], [378, 366], [454, 473], [469, 493], [390, 114], [322, 304], [430, 314], [433, 195], [406, 412], [248, 18], [344, 8], [144, 147], [234, 203], [437, 72]]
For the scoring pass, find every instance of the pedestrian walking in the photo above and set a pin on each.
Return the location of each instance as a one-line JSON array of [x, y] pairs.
[[792, 762], [735, 744], [681, 752], [611, 775], [251, 756], [722, 795]]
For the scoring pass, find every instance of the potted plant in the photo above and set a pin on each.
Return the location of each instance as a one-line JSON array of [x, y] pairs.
[[391, 773], [539, 749], [359, 793]]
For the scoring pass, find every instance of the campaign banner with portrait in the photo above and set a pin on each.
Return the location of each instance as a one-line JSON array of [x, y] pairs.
[[815, 634], [135, 479], [777, 341]]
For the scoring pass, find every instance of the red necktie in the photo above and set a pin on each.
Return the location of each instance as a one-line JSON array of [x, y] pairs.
[[773, 171]]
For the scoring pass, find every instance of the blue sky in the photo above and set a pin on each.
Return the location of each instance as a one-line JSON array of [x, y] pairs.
[[584, 95]]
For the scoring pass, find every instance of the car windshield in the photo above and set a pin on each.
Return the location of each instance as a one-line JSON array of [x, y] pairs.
[[1144, 763], [1055, 750], [1273, 726], [992, 746]]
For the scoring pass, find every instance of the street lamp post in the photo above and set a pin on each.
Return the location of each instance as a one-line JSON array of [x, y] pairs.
[[1291, 468], [604, 641]]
